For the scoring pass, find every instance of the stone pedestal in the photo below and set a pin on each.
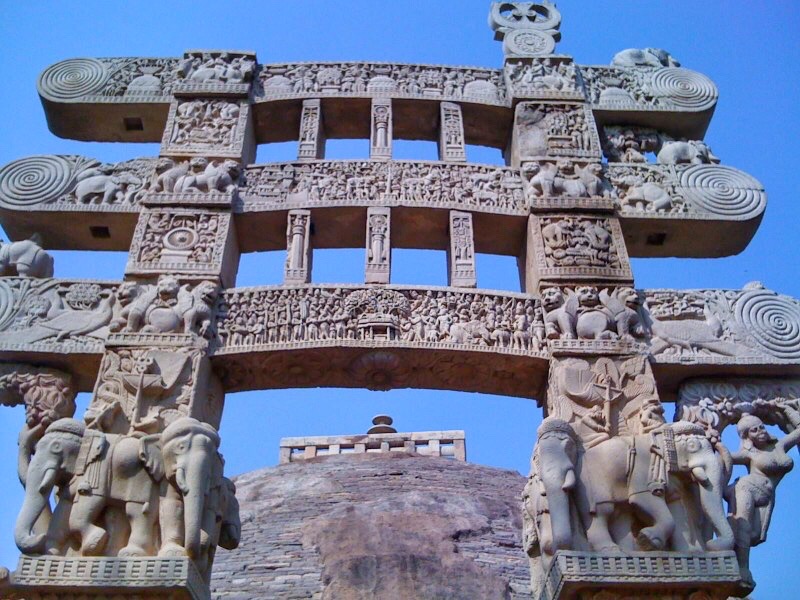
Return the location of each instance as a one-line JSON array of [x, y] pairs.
[[641, 575], [40, 577]]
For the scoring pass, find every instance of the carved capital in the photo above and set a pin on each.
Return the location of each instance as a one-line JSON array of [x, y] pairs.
[[48, 394]]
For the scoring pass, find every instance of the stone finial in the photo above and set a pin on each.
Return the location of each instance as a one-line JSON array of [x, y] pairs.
[[527, 29], [381, 424]]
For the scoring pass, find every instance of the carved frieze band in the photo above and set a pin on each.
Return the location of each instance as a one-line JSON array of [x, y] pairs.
[[749, 326], [278, 317], [136, 80], [682, 191]]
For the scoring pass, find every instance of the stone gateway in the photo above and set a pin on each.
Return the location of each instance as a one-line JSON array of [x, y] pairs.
[[603, 163]]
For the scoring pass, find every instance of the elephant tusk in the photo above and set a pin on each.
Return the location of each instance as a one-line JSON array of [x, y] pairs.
[[699, 475], [569, 480], [48, 479], [180, 479]]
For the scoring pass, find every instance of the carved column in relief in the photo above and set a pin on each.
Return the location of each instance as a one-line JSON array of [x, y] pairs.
[[311, 144], [461, 251], [379, 248], [451, 133], [381, 129], [298, 247]]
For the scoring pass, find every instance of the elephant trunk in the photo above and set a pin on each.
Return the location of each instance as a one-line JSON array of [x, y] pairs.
[[194, 478], [712, 507], [558, 506], [37, 494], [711, 503]]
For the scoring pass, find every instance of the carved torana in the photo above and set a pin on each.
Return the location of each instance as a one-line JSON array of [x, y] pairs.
[[601, 163]]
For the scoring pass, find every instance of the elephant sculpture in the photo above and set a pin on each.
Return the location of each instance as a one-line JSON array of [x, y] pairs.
[[93, 471], [694, 152], [199, 508], [644, 57], [169, 483], [25, 258], [671, 473]]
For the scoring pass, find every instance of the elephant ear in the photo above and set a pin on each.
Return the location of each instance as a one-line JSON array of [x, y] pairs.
[[150, 455]]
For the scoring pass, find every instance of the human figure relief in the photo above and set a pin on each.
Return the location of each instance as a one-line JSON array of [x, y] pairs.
[[751, 498]]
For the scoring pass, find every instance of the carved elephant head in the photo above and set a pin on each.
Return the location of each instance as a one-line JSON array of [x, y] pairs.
[[554, 463], [697, 458], [193, 467], [53, 464]]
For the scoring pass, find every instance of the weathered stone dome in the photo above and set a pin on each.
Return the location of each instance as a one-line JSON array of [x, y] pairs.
[[389, 526]]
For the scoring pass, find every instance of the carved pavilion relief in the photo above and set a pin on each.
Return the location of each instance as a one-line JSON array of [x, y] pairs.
[[603, 163]]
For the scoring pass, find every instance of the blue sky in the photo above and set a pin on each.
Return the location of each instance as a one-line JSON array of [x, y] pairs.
[[749, 51]]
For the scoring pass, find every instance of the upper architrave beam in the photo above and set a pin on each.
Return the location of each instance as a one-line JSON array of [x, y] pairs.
[[359, 335], [127, 99], [658, 205]]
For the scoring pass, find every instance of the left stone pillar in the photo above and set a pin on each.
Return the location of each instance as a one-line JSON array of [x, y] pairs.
[[146, 499]]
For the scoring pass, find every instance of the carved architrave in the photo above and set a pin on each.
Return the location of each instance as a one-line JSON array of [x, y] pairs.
[[311, 145], [451, 133], [215, 73], [481, 188], [388, 80], [380, 139], [605, 396], [196, 182], [280, 317], [379, 245], [545, 130], [185, 241], [298, 247], [209, 128], [552, 77], [461, 252], [147, 388], [573, 247]]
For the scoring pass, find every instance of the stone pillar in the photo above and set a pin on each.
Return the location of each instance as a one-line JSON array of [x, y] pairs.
[[451, 133], [298, 247], [381, 129], [379, 245], [157, 403], [461, 251], [311, 145]]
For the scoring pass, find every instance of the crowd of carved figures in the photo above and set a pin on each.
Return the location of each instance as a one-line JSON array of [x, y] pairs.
[[205, 124], [425, 183], [391, 79], [285, 316], [547, 129], [541, 77], [578, 241]]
